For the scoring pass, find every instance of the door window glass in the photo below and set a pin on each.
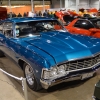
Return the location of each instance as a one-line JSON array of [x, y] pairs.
[[85, 24], [8, 29]]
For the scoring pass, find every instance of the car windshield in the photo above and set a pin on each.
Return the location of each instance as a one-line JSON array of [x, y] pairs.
[[96, 23], [68, 19], [24, 29]]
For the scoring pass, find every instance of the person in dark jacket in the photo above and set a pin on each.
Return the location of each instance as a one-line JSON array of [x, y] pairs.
[[24, 15], [46, 13], [19, 15], [13, 14], [40, 13]]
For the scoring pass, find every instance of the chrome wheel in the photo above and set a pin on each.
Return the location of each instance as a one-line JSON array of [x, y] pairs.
[[29, 75], [32, 81]]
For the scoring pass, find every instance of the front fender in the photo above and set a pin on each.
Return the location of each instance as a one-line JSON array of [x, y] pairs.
[[36, 61]]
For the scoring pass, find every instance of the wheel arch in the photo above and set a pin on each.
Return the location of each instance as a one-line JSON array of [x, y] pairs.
[[21, 63]]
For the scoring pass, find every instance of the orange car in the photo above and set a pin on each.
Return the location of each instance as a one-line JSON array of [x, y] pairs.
[[63, 14], [85, 26]]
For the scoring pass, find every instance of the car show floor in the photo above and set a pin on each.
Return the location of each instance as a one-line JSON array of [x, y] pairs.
[[11, 89]]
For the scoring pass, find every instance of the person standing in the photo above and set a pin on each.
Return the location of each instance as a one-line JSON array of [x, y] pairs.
[[24, 15], [30, 14], [19, 15], [40, 14], [46, 13]]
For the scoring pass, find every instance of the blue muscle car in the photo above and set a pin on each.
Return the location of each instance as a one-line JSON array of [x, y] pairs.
[[46, 52]]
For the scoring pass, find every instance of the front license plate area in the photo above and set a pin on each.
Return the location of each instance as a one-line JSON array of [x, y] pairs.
[[87, 75]]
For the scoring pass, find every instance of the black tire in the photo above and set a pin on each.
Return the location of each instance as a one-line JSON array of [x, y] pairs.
[[35, 86], [1, 54]]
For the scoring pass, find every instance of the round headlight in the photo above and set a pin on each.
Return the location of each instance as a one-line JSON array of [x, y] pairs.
[[61, 69], [53, 72]]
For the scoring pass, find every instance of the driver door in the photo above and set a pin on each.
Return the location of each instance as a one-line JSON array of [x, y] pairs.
[[5, 37], [82, 27]]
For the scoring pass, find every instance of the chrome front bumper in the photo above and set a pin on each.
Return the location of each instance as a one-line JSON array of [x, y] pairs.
[[48, 83]]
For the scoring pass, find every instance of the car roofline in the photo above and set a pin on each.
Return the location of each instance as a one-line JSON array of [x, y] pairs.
[[16, 20]]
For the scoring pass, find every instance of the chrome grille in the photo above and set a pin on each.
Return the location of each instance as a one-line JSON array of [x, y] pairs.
[[83, 63]]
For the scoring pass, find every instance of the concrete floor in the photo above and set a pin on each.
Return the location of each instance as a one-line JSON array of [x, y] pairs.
[[11, 89]]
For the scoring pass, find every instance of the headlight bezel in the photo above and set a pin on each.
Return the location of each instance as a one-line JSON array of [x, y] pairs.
[[56, 74]]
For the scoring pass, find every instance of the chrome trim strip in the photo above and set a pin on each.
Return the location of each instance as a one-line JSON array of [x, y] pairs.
[[47, 84]]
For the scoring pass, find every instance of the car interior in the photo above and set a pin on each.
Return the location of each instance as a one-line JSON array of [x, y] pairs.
[[34, 28]]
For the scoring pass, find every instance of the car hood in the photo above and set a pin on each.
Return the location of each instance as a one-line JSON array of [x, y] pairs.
[[62, 46]]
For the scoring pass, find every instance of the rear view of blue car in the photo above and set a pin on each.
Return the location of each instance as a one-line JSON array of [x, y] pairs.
[[46, 52]]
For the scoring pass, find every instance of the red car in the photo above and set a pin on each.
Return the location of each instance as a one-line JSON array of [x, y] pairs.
[[3, 13], [84, 26]]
